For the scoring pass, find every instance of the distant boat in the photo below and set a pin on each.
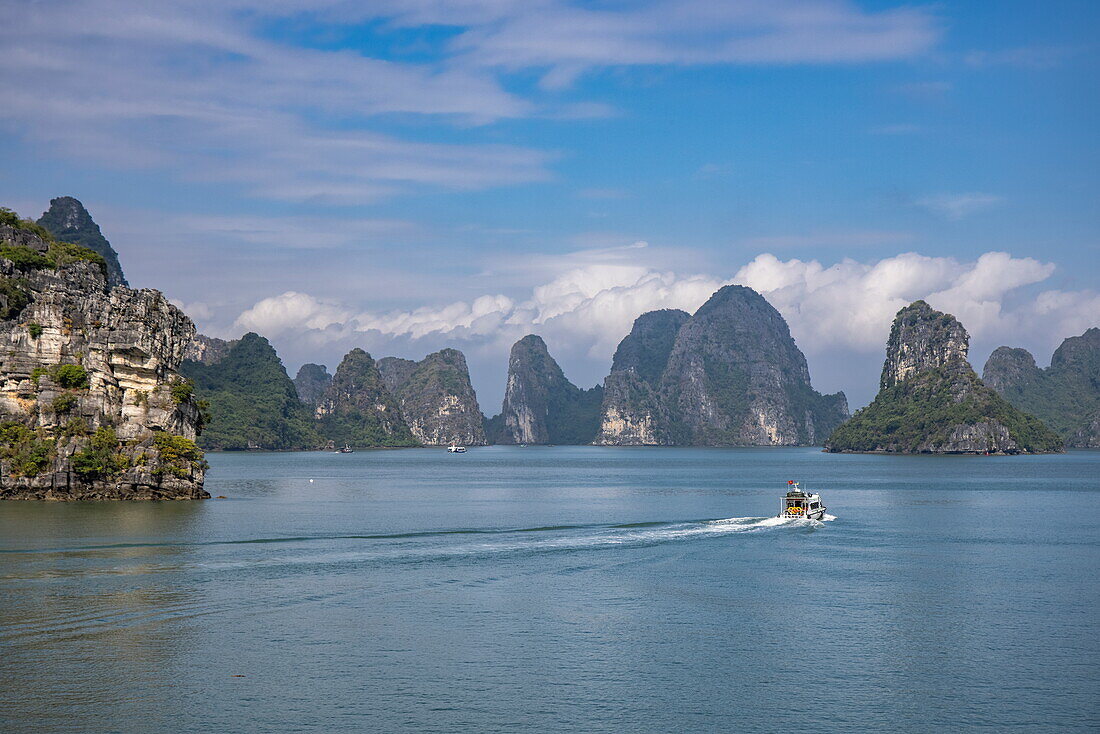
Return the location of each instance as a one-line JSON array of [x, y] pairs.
[[798, 504], [346, 450], [456, 449]]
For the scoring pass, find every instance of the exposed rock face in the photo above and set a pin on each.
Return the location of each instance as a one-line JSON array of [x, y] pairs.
[[730, 375], [540, 405], [311, 382], [253, 403], [207, 349], [91, 404], [68, 221], [633, 411], [436, 397], [1066, 395], [931, 401], [396, 371], [358, 410]]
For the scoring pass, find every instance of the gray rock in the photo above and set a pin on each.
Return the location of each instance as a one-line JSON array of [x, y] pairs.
[[88, 376], [437, 400], [69, 221]]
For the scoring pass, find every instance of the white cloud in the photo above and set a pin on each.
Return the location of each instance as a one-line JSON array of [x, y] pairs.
[[957, 206], [840, 314]]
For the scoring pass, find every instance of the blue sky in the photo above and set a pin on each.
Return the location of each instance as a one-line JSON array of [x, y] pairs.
[[417, 174]]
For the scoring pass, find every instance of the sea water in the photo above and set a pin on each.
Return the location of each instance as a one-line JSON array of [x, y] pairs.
[[577, 589]]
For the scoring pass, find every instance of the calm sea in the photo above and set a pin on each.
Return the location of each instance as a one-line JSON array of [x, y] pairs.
[[576, 589]]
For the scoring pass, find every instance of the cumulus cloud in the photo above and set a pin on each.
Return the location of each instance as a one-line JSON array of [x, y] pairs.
[[834, 311]]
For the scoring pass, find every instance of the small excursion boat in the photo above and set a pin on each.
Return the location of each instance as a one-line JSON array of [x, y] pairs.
[[346, 450], [799, 504], [455, 449]]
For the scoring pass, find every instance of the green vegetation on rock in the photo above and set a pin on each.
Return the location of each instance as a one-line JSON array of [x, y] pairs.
[[67, 220], [358, 410], [102, 456], [252, 402], [931, 400], [1066, 395]]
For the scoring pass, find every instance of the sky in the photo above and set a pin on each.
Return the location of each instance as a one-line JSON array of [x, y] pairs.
[[405, 175]]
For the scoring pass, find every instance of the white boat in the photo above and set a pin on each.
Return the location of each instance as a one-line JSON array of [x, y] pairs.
[[455, 449], [798, 504], [346, 450]]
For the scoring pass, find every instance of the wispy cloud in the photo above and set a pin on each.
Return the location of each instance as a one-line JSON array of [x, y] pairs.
[[957, 206]]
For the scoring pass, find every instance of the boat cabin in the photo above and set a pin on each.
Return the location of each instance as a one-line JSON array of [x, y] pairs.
[[800, 504]]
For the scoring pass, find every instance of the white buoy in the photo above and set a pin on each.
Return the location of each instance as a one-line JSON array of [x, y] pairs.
[[311, 481]]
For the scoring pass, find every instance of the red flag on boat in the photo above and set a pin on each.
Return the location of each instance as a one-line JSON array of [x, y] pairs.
[[790, 481]]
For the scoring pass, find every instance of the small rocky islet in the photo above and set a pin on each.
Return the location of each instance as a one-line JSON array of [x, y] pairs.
[[110, 393]]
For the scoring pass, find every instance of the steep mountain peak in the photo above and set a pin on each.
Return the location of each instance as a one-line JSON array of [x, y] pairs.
[[931, 400], [540, 404], [1009, 366], [311, 382], [68, 221], [1081, 350], [922, 338], [436, 397]]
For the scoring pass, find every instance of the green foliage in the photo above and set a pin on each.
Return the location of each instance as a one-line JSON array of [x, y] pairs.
[[249, 400], [58, 254], [70, 376], [75, 427], [35, 330], [63, 403], [101, 457], [39, 372], [66, 253], [357, 420], [10, 218], [182, 390], [920, 413], [28, 453], [25, 258], [178, 455], [573, 415], [15, 294]]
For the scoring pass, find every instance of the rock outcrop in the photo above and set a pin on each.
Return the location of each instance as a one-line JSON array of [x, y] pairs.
[[633, 411], [311, 382], [91, 405], [252, 401], [729, 375], [931, 400], [436, 398], [1065, 396], [207, 349], [358, 410], [540, 405], [68, 221]]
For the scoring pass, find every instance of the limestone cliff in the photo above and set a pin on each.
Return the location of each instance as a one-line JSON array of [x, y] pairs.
[[729, 375], [207, 349], [540, 405], [311, 382], [68, 221], [91, 405], [633, 411], [931, 400], [436, 397], [1066, 395], [358, 410]]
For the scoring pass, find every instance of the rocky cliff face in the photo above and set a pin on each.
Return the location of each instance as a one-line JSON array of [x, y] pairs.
[[311, 382], [730, 375], [252, 402], [540, 405], [68, 221], [633, 411], [1066, 395], [207, 349], [358, 410], [931, 401], [90, 401], [436, 398]]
